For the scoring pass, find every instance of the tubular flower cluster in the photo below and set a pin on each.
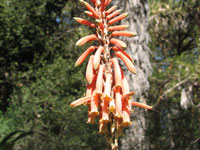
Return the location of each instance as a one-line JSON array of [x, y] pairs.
[[107, 95]]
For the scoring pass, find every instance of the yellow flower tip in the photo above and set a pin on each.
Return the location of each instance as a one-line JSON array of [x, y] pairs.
[[94, 113], [82, 1], [126, 124], [107, 98], [118, 116], [104, 121], [117, 86], [76, 65], [99, 93], [71, 105], [142, 105], [112, 109], [126, 14], [89, 82]]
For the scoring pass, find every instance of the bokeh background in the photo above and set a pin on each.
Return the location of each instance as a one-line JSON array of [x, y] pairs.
[[38, 79]]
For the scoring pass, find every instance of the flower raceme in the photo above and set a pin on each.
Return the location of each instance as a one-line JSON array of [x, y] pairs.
[[107, 94]]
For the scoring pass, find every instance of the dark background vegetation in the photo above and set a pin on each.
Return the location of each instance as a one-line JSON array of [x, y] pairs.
[[38, 79]]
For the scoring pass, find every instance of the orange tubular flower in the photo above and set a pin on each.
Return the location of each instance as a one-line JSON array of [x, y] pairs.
[[107, 89], [118, 18], [97, 57], [123, 33], [141, 105], [126, 113], [117, 72], [80, 101], [119, 27], [99, 82], [115, 13], [81, 59], [113, 8], [125, 86], [89, 90], [118, 103], [89, 14], [85, 22], [86, 39], [129, 64], [119, 43], [90, 8], [94, 104], [115, 48], [107, 92], [89, 71], [105, 112]]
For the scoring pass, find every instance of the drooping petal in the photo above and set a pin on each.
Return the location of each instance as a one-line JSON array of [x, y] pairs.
[[123, 33], [118, 103], [91, 118], [90, 8], [86, 39], [89, 14], [118, 18], [115, 48], [85, 22], [94, 105], [105, 111], [115, 13], [127, 96], [125, 114], [129, 64], [97, 57], [99, 82], [142, 105], [118, 27], [89, 70], [91, 87], [118, 43], [125, 86], [110, 10], [112, 107], [80, 101], [107, 89], [117, 72], [81, 59]]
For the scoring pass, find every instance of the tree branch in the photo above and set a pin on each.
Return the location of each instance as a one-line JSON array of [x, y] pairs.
[[175, 86]]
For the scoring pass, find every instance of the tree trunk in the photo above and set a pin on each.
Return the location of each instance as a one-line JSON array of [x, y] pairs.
[[137, 47]]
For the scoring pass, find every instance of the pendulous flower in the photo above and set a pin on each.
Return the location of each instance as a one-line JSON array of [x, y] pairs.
[[107, 93]]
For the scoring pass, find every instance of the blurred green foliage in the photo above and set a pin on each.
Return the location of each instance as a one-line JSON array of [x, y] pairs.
[[174, 29], [38, 79]]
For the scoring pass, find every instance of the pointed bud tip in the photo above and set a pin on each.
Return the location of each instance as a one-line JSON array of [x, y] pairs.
[[76, 65], [126, 14]]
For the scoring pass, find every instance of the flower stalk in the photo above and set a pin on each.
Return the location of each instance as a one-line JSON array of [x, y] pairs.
[[107, 94]]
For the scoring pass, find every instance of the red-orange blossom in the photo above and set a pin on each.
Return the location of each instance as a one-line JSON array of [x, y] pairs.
[[107, 94]]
